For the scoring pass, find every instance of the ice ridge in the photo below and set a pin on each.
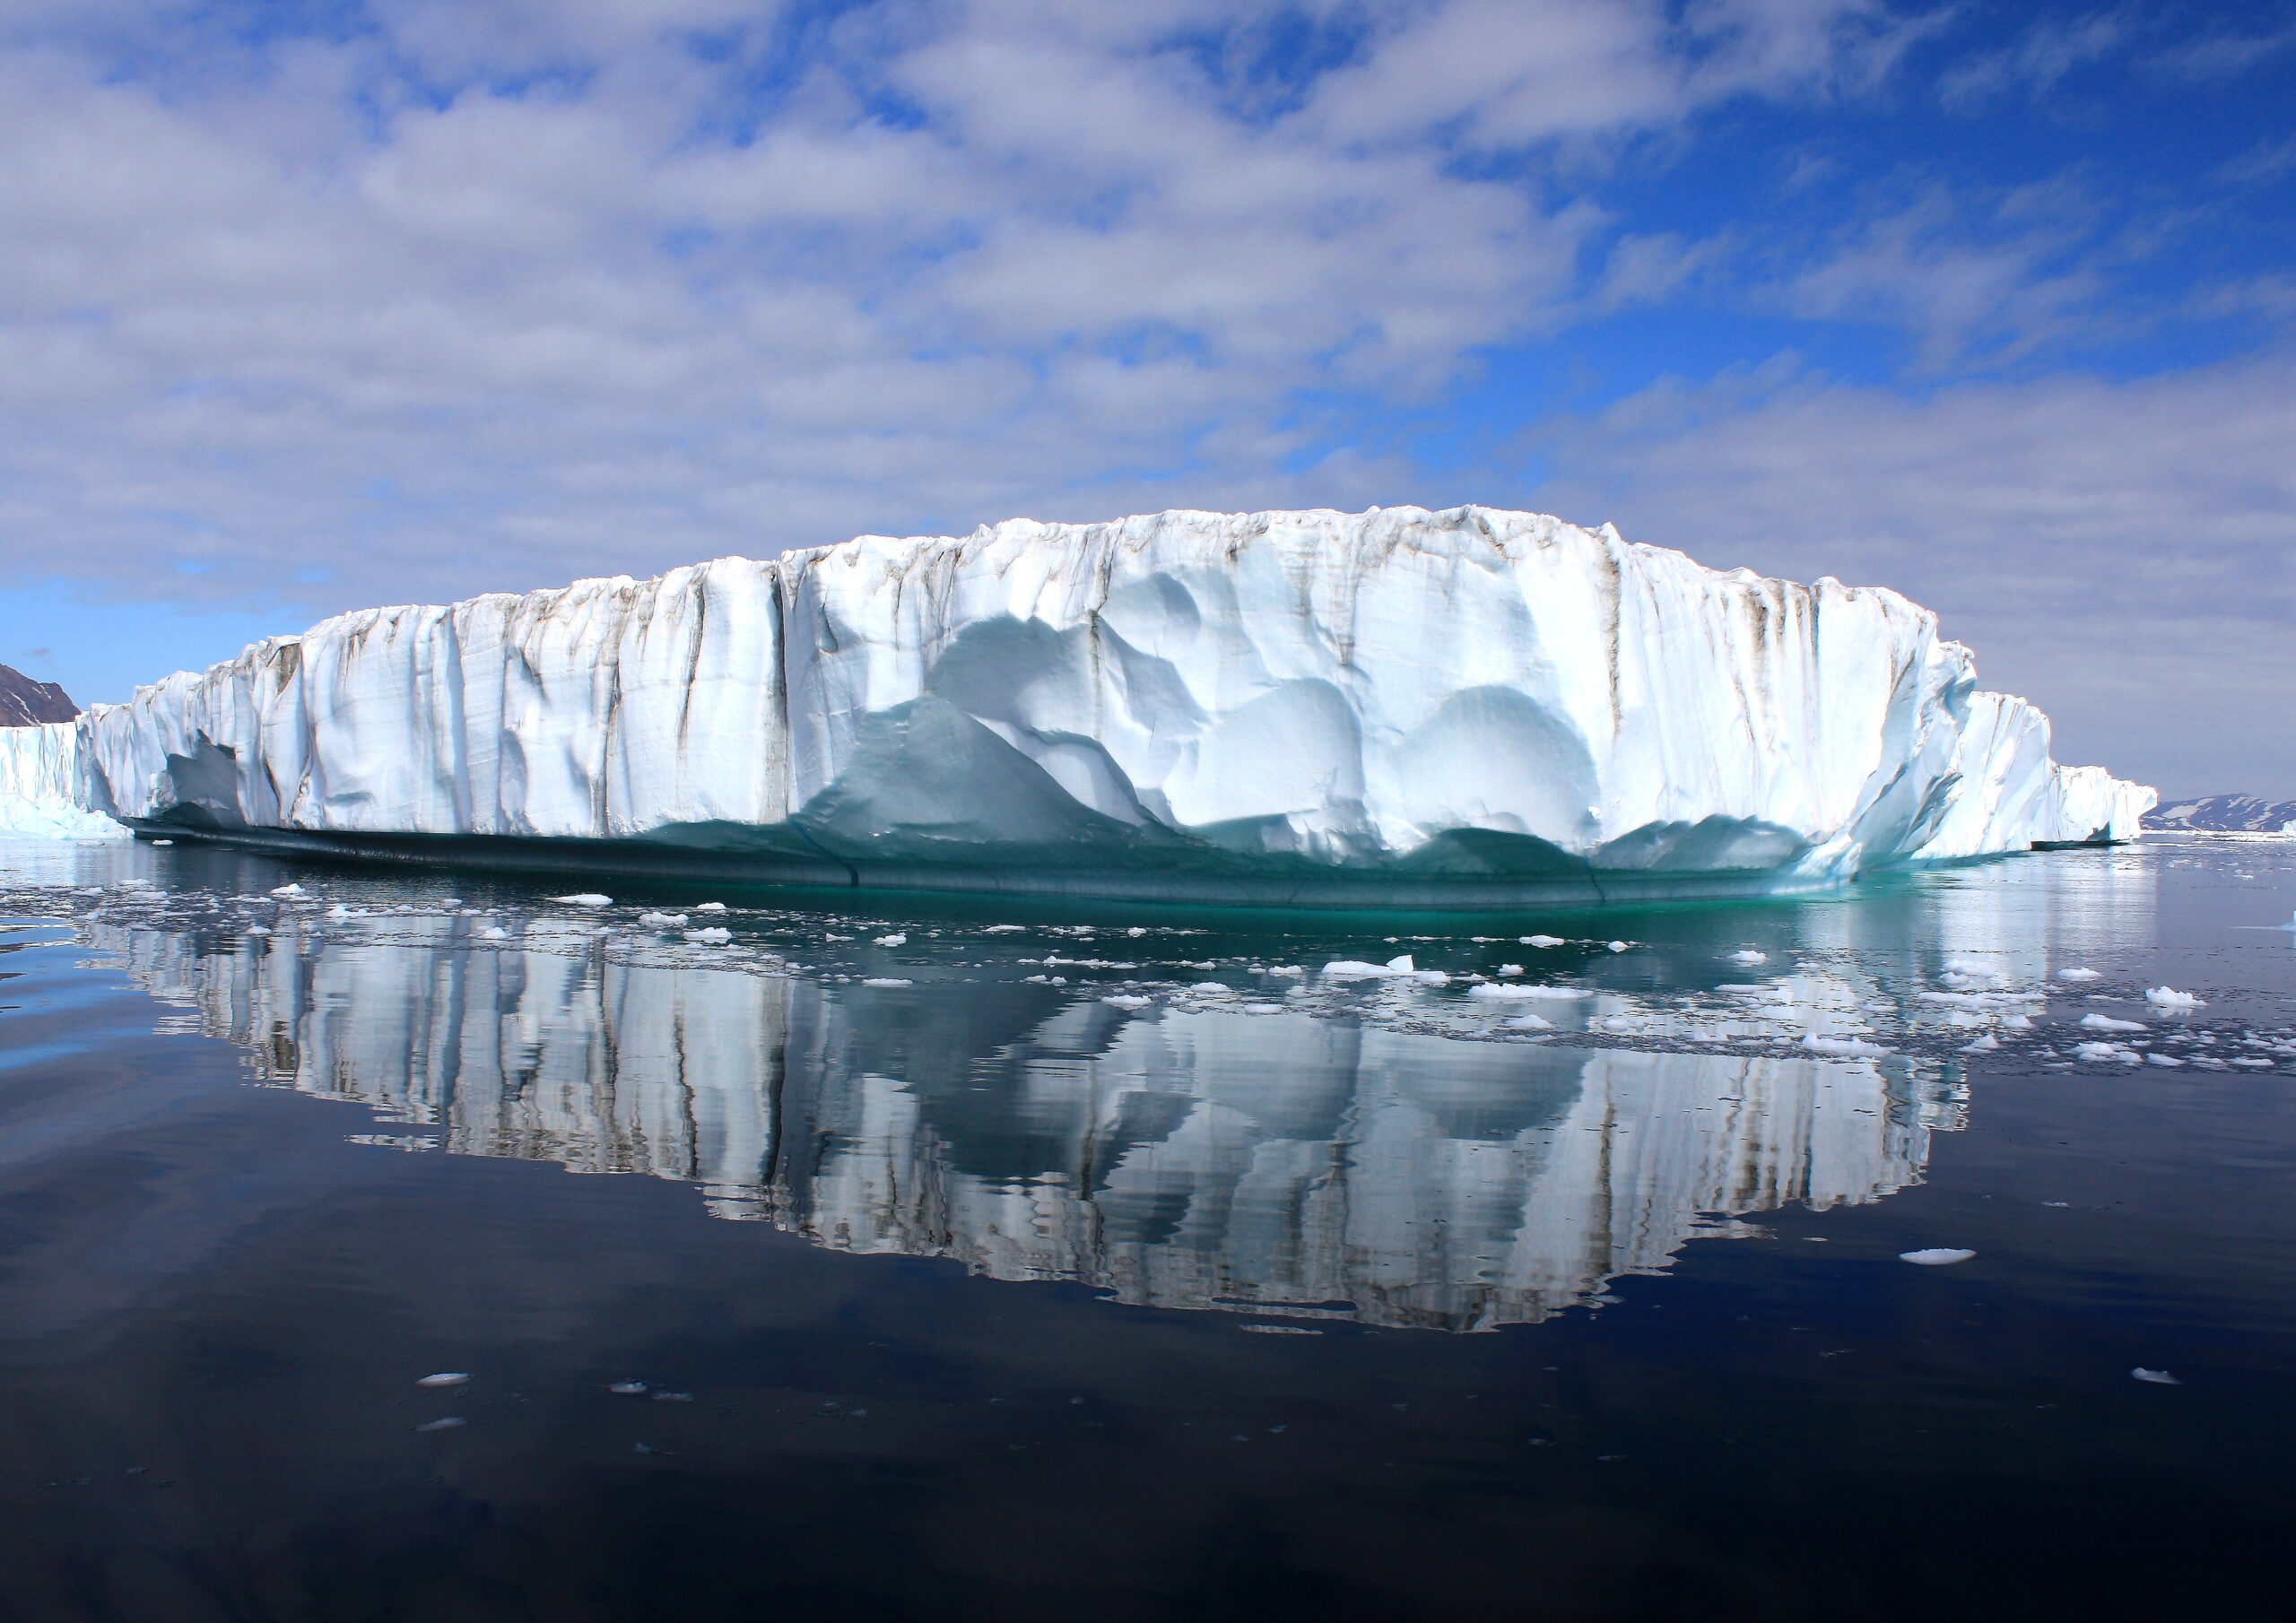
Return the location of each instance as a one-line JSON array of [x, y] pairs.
[[1323, 706]]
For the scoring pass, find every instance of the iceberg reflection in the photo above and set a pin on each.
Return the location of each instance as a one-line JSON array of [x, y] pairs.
[[1180, 1158]]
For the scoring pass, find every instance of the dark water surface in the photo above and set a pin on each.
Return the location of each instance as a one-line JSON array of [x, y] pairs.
[[954, 1290]]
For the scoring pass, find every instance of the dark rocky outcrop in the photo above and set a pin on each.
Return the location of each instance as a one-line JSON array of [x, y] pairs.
[[26, 703]]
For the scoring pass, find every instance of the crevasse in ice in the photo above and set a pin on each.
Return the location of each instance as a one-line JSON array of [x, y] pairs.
[[1427, 702]]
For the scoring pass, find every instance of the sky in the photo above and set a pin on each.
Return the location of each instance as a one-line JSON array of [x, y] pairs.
[[309, 307]]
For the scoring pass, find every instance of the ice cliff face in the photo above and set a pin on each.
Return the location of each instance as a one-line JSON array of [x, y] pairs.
[[1396, 697], [41, 791]]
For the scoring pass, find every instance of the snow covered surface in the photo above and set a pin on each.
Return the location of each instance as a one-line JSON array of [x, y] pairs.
[[1277, 706], [2226, 815], [39, 786]]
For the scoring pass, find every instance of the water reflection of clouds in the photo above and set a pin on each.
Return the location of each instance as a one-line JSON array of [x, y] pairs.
[[1184, 1156]]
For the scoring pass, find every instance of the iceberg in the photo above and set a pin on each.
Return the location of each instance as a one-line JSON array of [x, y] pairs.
[[1396, 707], [40, 788]]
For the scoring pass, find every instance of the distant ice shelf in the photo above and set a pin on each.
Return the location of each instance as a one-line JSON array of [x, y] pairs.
[[41, 790], [1400, 708]]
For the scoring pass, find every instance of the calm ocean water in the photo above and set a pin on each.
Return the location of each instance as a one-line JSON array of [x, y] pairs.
[[974, 1263]]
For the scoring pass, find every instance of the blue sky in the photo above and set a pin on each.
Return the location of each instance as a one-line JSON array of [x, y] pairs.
[[310, 307]]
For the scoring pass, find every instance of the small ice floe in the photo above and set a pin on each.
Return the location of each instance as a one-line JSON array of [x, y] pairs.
[[450, 901], [1618, 946], [257, 930], [292, 892], [628, 1389], [2079, 974], [162, 842], [1540, 941], [2162, 1059], [1263, 1008], [339, 912], [2093, 1022], [494, 933], [445, 1423], [1508, 969], [1137, 930], [2158, 1377], [582, 899], [1122, 1001], [1984, 1045], [661, 921], [452, 1377], [1845, 1047], [1209, 986], [886, 980], [709, 907], [1529, 1022], [1935, 1257], [2169, 997], [1399, 967], [1748, 956], [2097, 1052], [1517, 994], [1001, 929], [709, 935], [895, 940]]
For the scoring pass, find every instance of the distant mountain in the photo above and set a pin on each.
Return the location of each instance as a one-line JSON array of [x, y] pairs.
[[2226, 815], [26, 703]]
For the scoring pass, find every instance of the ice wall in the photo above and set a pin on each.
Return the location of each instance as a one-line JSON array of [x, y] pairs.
[[1189, 1160], [41, 791], [1468, 696]]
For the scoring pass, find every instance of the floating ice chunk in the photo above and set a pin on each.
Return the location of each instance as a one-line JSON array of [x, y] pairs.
[[895, 940], [2093, 1022], [1508, 969], [341, 912], [582, 899], [450, 901], [2097, 1052], [1541, 941], [257, 930], [1356, 969], [1845, 1047], [2079, 974], [2169, 997], [2158, 1377], [1137, 930], [1984, 1045], [661, 921], [628, 1389], [451, 1378], [444, 1423], [494, 933], [709, 906], [1618, 946], [2016, 1022], [162, 842], [1002, 929], [709, 935], [1937, 1256], [1122, 1001], [1263, 1008], [291, 892], [1748, 956], [1495, 992], [2162, 1059], [1530, 1022], [887, 980]]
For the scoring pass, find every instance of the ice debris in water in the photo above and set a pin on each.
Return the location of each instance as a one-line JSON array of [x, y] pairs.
[[1748, 956], [445, 1423], [2079, 974], [453, 1377], [2164, 1059], [886, 980], [1618, 946], [709, 935], [1984, 1045], [1541, 941], [1493, 991], [709, 907], [2169, 997], [1935, 1257], [2158, 1377], [895, 940], [1400, 968], [1508, 969], [1121, 1002], [2093, 1022], [290, 891], [1530, 1022], [2095, 1052], [1843, 1048], [582, 899], [628, 1389], [661, 921], [494, 933]]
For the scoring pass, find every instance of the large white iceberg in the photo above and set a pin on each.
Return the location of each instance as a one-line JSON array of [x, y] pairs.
[[41, 791], [1397, 706]]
